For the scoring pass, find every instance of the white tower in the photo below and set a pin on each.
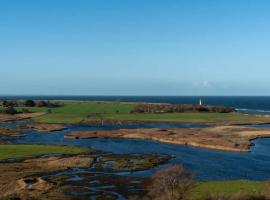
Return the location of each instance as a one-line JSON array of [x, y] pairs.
[[200, 102]]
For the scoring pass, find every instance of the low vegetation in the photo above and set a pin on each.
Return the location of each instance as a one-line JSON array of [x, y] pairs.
[[226, 138], [178, 108], [25, 151], [29, 103], [130, 162], [226, 189], [23, 180], [72, 112]]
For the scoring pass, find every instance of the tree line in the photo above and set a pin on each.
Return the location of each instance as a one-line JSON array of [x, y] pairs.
[[178, 108], [29, 103], [9, 105]]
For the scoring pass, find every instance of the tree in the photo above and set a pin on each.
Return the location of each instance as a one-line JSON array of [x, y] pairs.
[[10, 110], [8, 103], [30, 103], [172, 183]]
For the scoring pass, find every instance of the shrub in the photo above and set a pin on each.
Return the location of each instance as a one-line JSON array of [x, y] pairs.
[[10, 110], [9, 103], [170, 108], [24, 110], [172, 183], [202, 109], [29, 103]]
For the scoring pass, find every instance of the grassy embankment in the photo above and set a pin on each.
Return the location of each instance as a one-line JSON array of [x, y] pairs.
[[87, 112], [26, 151], [203, 189]]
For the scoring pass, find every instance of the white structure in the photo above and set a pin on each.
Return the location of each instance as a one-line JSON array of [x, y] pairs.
[[200, 102]]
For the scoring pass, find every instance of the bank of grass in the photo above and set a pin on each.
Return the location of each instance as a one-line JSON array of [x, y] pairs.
[[204, 189], [26, 151], [72, 112]]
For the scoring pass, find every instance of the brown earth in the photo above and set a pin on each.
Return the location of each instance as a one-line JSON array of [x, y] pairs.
[[21, 116], [44, 127], [228, 138], [8, 133], [21, 179]]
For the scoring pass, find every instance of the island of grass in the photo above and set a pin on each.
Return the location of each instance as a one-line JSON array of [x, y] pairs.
[[74, 112], [25, 151], [226, 138]]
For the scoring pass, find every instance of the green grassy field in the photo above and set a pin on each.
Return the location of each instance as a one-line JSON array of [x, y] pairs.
[[25, 151], [203, 189], [87, 112]]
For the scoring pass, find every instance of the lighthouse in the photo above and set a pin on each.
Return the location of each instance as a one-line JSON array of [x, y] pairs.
[[200, 102]]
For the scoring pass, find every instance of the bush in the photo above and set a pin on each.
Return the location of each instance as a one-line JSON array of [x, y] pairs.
[[10, 110], [30, 103], [24, 110], [172, 183], [170, 108], [9, 103]]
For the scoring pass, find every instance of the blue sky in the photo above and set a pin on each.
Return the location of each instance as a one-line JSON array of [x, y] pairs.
[[135, 47]]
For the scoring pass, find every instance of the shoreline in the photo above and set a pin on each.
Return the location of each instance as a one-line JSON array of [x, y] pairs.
[[223, 138]]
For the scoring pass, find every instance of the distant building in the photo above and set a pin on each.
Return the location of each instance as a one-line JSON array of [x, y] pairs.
[[200, 102]]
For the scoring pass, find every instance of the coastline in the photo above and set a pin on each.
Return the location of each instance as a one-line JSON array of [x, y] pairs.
[[224, 138]]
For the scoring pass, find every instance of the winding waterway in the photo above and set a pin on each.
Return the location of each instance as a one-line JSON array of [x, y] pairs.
[[206, 164]]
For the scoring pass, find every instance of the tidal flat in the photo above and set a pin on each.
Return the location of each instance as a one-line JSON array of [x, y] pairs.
[[226, 138], [101, 149]]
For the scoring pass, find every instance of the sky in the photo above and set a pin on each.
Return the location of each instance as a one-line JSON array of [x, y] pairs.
[[134, 47]]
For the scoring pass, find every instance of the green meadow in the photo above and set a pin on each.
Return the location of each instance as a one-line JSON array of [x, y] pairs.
[[26, 151], [72, 112], [204, 189]]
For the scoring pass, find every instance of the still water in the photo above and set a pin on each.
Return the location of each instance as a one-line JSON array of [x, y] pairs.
[[206, 164]]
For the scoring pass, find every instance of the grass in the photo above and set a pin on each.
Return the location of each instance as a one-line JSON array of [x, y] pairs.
[[76, 112], [203, 189], [25, 151]]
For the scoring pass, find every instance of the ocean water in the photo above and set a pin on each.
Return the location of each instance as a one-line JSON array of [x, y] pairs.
[[244, 104]]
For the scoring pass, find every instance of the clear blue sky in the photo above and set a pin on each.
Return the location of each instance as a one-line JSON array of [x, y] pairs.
[[135, 47]]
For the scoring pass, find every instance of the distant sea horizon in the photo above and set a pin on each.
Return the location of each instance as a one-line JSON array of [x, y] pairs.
[[244, 104]]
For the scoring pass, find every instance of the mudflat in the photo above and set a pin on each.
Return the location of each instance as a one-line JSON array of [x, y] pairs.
[[8, 133], [43, 127], [227, 138], [21, 178], [21, 116]]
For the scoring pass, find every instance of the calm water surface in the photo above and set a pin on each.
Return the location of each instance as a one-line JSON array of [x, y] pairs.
[[206, 164]]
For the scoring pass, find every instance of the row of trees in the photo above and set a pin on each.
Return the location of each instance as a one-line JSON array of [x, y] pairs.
[[171, 108], [29, 103]]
